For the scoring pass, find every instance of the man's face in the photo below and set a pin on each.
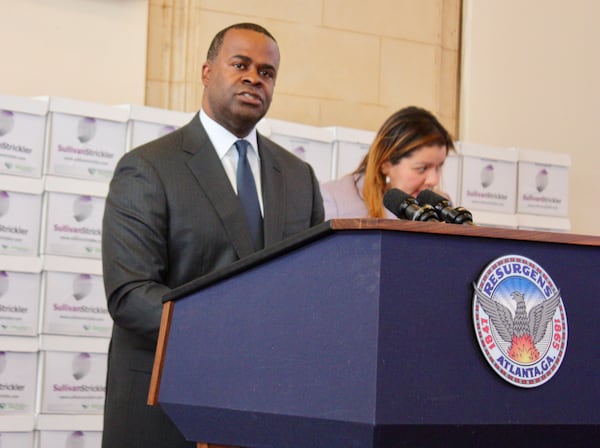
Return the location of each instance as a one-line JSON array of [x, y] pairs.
[[239, 82]]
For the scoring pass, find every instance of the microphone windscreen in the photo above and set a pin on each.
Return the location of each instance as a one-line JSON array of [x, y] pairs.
[[430, 197], [393, 198]]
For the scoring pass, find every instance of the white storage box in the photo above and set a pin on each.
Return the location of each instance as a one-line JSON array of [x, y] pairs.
[[73, 225], [17, 439], [18, 372], [351, 145], [310, 143], [543, 183], [75, 304], [489, 178], [149, 123], [70, 439], [543, 223], [85, 140], [72, 382], [20, 216], [500, 220], [19, 303], [22, 135]]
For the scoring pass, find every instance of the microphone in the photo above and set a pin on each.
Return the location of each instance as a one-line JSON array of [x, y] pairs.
[[445, 212], [404, 206]]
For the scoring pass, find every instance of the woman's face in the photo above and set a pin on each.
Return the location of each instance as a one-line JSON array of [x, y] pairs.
[[418, 171]]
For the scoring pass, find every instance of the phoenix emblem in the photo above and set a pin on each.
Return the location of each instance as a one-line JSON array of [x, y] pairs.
[[525, 329]]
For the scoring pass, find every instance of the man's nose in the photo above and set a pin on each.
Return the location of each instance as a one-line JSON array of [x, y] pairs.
[[251, 76]]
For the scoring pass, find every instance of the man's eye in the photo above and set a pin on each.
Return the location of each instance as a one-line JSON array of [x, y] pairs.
[[239, 65], [266, 74]]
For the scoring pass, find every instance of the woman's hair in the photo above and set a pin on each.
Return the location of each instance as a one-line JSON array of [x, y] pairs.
[[402, 133]]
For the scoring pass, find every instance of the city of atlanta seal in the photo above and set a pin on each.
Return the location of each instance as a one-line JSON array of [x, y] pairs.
[[520, 320]]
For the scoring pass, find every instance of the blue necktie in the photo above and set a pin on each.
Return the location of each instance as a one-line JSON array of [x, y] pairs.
[[247, 193]]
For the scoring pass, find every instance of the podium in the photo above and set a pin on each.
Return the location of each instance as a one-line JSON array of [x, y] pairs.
[[359, 333]]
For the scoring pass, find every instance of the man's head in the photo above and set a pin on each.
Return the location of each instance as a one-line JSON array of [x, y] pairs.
[[239, 76]]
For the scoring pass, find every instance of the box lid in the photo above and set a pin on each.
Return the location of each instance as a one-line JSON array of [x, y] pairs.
[[86, 109], [291, 129], [544, 157], [488, 152], [35, 106], [157, 115]]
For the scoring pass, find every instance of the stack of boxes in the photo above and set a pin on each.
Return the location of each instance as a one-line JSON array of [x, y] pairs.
[[84, 141], [57, 157], [502, 187], [510, 187], [331, 151], [22, 136]]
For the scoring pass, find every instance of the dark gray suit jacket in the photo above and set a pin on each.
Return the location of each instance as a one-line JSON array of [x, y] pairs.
[[172, 215]]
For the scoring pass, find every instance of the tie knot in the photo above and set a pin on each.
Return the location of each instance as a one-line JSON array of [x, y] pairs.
[[242, 147]]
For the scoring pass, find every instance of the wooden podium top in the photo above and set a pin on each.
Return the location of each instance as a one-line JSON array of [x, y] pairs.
[[462, 229]]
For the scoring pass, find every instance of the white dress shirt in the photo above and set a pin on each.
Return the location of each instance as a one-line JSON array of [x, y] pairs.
[[224, 143]]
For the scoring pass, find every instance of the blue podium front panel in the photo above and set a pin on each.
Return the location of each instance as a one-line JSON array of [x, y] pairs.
[[293, 340], [366, 339], [431, 369]]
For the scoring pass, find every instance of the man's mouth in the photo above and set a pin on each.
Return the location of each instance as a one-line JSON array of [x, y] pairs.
[[250, 98]]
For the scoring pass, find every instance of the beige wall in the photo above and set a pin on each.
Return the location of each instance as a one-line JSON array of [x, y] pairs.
[[530, 76], [344, 62], [89, 50]]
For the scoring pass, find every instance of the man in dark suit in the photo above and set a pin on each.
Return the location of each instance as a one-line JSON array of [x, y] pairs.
[[172, 214]]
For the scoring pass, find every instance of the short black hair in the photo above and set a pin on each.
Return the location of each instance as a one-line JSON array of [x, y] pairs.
[[217, 41]]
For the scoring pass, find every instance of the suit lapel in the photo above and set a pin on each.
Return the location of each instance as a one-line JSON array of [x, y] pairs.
[[208, 171], [273, 192]]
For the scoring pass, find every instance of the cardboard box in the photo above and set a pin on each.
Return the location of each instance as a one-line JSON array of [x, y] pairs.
[[350, 147], [17, 439], [85, 140], [70, 439], [543, 223], [310, 143], [72, 382], [149, 123], [543, 183], [20, 217], [19, 303], [18, 372], [73, 225], [499, 220], [489, 178], [75, 304], [22, 135]]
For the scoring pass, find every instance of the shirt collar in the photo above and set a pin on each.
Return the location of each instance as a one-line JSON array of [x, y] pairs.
[[221, 138]]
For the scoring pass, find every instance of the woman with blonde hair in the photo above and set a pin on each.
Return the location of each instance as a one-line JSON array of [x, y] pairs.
[[408, 153]]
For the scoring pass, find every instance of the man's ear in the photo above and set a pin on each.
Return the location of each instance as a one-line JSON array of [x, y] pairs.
[[206, 69]]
